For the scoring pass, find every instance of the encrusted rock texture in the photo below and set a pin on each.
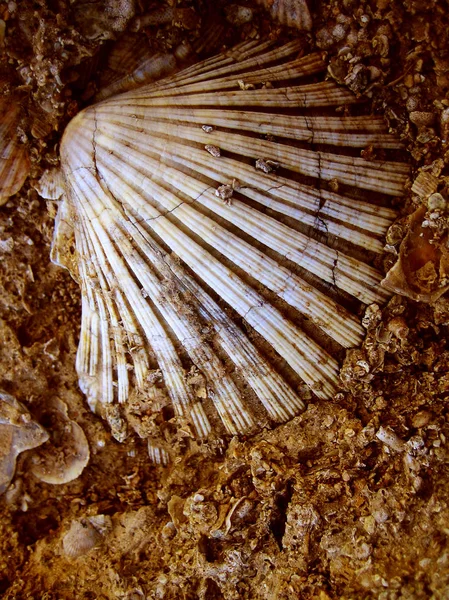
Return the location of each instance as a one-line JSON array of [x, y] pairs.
[[349, 499]]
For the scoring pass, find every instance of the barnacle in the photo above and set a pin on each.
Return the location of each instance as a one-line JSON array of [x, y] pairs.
[[258, 294]]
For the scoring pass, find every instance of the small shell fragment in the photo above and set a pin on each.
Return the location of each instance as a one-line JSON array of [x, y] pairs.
[[425, 184], [66, 454], [14, 159], [81, 538], [245, 86], [214, 150], [18, 432], [158, 454], [267, 166], [422, 269], [238, 15], [225, 193], [436, 202], [390, 439], [292, 13], [51, 184]]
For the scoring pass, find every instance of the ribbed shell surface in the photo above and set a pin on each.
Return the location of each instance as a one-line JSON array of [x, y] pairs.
[[225, 227], [292, 13]]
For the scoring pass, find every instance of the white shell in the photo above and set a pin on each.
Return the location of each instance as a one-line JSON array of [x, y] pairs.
[[255, 291], [51, 184]]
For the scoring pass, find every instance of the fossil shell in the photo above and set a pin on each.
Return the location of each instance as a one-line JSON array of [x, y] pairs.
[[18, 432], [255, 292], [50, 185], [292, 13], [66, 454], [82, 537], [14, 159], [422, 269], [158, 455]]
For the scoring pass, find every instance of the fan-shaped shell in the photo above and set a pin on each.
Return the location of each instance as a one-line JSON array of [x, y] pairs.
[[224, 279], [81, 538]]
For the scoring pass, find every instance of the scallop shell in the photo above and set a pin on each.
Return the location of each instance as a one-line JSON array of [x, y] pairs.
[[14, 159], [81, 538], [224, 281]]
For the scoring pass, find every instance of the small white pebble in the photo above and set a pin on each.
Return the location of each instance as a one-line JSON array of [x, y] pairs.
[[7, 245], [390, 439]]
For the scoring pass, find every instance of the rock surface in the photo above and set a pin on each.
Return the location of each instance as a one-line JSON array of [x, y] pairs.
[[348, 500]]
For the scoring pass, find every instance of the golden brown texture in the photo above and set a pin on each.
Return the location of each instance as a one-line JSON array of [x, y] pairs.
[[349, 499]]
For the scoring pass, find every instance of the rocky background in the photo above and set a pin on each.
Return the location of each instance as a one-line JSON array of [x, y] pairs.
[[348, 500]]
